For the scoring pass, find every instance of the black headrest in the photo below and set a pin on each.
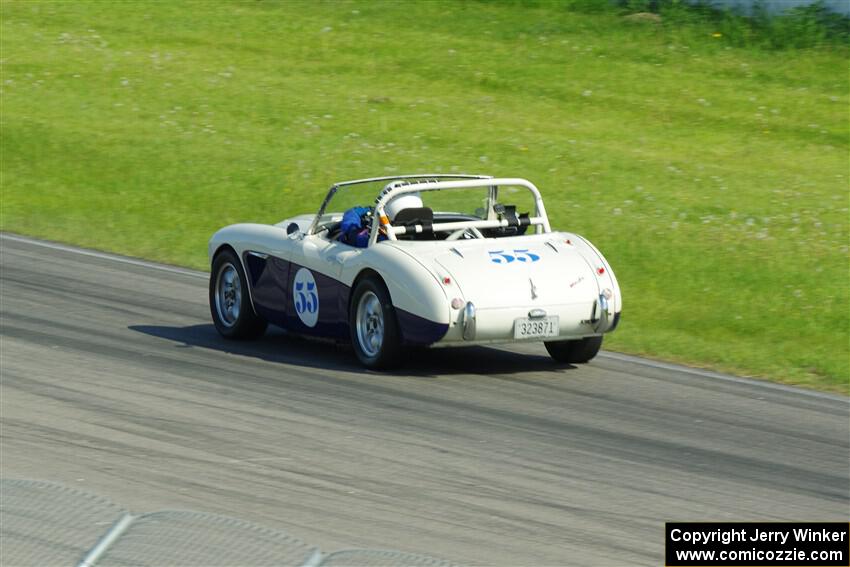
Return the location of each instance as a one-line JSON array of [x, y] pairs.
[[413, 216]]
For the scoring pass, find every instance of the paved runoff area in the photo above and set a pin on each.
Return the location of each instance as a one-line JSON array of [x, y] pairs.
[[115, 382]]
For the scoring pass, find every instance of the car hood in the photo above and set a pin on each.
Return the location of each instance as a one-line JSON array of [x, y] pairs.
[[536, 270]]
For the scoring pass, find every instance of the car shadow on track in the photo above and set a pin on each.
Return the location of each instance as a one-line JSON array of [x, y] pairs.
[[278, 346]]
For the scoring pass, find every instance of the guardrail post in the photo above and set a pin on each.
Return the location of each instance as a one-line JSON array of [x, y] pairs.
[[107, 540], [314, 560]]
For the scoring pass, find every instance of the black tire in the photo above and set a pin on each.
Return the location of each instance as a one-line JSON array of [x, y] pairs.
[[375, 335], [230, 306], [574, 352]]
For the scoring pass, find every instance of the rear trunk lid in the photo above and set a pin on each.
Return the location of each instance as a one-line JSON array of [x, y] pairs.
[[535, 270]]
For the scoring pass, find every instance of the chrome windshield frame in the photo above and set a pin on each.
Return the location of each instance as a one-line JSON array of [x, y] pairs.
[[394, 181]]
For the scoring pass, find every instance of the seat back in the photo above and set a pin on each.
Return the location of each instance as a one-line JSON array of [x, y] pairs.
[[413, 216]]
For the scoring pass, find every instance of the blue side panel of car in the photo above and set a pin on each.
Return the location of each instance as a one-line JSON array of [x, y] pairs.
[[269, 286], [315, 304], [417, 330], [255, 266], [329, 297]]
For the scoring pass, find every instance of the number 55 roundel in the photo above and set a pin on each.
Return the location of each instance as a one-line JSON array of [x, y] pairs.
[[306, 298]]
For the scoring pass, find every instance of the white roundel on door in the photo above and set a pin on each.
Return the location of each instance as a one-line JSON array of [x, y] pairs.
[[306, 297]]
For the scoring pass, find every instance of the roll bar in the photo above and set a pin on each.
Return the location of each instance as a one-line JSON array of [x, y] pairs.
[[393, 190]]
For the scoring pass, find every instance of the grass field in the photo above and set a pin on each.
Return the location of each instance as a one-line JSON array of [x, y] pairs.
[[713, 177]]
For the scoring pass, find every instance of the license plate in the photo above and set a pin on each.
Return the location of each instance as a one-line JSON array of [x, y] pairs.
[[535, 328]]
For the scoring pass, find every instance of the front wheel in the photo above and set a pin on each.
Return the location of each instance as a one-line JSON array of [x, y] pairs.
[[577, 351], [230, 306], [374, 331]]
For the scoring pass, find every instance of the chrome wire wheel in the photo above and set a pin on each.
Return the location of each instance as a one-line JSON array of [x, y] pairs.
[[370, 324], [228, 295]]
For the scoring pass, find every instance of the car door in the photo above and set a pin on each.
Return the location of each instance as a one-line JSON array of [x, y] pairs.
[[267, 264], [318, 299]]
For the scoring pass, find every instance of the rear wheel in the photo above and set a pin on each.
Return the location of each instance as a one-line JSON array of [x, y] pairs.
[[230, 306], [374, 331], [581, 350]]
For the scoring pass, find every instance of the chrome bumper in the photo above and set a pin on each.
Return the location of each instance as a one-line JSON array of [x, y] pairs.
[[469, 321]]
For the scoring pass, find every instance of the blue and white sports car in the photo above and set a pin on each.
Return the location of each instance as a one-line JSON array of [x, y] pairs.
[[426, 260]]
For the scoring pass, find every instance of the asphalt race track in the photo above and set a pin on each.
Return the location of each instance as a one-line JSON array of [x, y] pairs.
[[114, 381]]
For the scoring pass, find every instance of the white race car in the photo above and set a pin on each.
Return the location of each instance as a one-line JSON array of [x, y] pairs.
[[432, 260]]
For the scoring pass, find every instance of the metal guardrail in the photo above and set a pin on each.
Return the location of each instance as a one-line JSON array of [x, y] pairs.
[[44, 523], [193, 538], [377, 558]]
